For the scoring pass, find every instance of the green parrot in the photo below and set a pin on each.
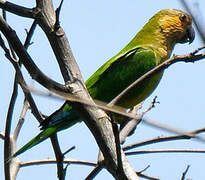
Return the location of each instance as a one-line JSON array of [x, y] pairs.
[[152, 45]]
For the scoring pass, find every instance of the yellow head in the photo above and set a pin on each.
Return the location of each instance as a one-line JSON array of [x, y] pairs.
[[176, 26]]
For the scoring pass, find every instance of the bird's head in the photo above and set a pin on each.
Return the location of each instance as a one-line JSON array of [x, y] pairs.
[[176, 25]]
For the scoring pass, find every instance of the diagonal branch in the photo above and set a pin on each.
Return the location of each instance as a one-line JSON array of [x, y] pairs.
[[164, 139], [94, 172], [191, 57], [2, 135], [16, 9], [27, 61], [121, 111], [185, 172], [132, 123]]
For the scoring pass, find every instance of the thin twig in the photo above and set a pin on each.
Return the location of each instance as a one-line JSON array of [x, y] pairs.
[[129, 124], [53, 161], [132, 124], [166, 151], [141, 174], [30, 33], [21, 120], [58, 10], [163, 139], [94, 172], [144, 169], [152, 105], [185, 172], [147, 176], [191, 57], [69, 150], [2, 135]]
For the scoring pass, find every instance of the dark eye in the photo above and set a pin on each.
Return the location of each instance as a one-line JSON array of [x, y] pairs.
[[183, 18]]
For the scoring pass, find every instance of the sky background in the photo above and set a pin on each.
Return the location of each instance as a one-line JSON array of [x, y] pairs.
[[97, 30]]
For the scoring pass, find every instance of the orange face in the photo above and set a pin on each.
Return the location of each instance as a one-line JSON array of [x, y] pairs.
[[177, 26]]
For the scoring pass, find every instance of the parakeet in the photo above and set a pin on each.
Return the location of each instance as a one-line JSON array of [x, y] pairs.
[[151, 46]]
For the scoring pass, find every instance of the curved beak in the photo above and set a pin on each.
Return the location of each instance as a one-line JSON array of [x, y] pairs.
[[190, 34]]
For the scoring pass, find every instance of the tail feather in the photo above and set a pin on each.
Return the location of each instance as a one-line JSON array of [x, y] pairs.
[[60, 121], [36, 140]]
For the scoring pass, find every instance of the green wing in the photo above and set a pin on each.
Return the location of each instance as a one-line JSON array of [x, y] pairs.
[[119, 72]]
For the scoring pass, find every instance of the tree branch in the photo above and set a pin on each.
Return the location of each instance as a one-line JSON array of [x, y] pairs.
[[191, 57], [94, 172], [120, 111], [164, 139], [132, 123], [53, 161], [185, 172], [21, 120], [2, 135], [16, 9], [9, 147], [165, 151]]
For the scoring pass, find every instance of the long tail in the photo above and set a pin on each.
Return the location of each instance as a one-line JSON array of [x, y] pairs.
[[61, 121], [36, 140]]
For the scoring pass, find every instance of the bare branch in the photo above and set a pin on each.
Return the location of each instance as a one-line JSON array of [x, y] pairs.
[[16, 9], [69, 150], [8, 146], [166, 151], [141, 174], [53, 161], [147, 177], [94, 172], [120, 111], [191, 57], [21, 120], [27, 60], [59, 157], [144, 169], [185, 172], [2, 135], [163, 139], [131, 125], [11, 168], [58, 10], [30, 34]]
